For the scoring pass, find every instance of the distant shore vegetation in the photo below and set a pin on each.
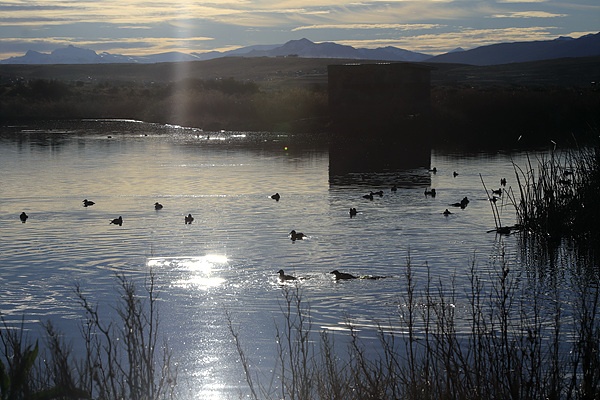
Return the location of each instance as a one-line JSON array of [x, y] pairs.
[[460, 113]]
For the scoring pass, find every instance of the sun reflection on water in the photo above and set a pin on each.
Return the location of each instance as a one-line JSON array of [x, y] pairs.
[[196, 272]]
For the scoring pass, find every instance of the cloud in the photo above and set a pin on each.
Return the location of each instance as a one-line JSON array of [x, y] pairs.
[[529, 14], [187, 25], [467, 38], [521, 1], [402, 27]]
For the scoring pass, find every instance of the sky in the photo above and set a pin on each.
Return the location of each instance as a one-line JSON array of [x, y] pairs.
[[140, 27]]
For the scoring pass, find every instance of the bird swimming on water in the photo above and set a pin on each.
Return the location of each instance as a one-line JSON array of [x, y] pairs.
[[276, 197], [87, 203], [342, 275], [117, 221], [23, 217], [284, 277], [446, 212], [158, 206], [296, 235], [352, 212], [189, 219]]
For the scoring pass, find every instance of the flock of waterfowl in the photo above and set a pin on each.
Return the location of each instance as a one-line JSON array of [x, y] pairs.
[[337, 275], [294, 235], [370, 196], [188, 219]]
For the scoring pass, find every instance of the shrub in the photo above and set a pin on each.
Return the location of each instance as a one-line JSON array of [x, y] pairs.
[[121, 359]]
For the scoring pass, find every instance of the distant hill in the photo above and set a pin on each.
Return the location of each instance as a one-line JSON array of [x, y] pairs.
[[507, 53], [294, 48], [502, 53]]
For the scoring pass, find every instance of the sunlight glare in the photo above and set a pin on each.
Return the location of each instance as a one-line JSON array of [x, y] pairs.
[[195, 272]]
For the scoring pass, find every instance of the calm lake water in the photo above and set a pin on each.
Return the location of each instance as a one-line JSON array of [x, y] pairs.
[[227, 259]]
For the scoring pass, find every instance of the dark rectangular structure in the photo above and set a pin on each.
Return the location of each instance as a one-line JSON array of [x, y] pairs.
[[379, 117], [377, 95]]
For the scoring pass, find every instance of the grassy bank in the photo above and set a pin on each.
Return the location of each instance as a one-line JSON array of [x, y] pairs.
[[470, 105]]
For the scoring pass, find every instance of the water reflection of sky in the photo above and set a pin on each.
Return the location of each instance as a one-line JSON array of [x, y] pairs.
[[227, 260]]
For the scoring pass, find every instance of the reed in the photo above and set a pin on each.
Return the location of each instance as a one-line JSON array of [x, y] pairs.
[[521, 337], [558, 200], [121, 359]]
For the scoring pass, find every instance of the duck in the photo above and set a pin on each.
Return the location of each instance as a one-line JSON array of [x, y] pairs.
[[379, 192], [342, 275], [87, 203], [446, 212], [434, 170], [352, 212], [189, 219], [276, 197], [23, 217], [503, 181], [431, 192], [462, 204], [498, 192], [455, 174], [368, 196], [117, 221], [296, 235], [158, 206], [284, 277], [394, 188]]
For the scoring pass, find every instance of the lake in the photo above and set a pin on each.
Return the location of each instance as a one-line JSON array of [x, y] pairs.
[[226, 261]]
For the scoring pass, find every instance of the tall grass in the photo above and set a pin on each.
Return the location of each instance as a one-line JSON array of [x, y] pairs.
[[119, 359], [559, 199], [515, 338]]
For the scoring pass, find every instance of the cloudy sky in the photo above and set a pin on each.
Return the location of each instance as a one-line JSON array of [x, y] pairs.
[[138, 27]]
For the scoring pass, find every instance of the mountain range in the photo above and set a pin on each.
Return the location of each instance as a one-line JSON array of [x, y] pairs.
[[502, 53]]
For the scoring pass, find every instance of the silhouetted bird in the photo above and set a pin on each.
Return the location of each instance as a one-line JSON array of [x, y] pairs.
[[23, 217], [431, 192], [284, 277], [353, 212], [434, 170], [498, 192], [446, 212], [297, 235], [503, 181], [342, 275], [394, 188], [276, 197], [462, 204], [380, 193], [87, 203], [368, 196], [158, 206], [189, 219], [455, 174], [117, 221]]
